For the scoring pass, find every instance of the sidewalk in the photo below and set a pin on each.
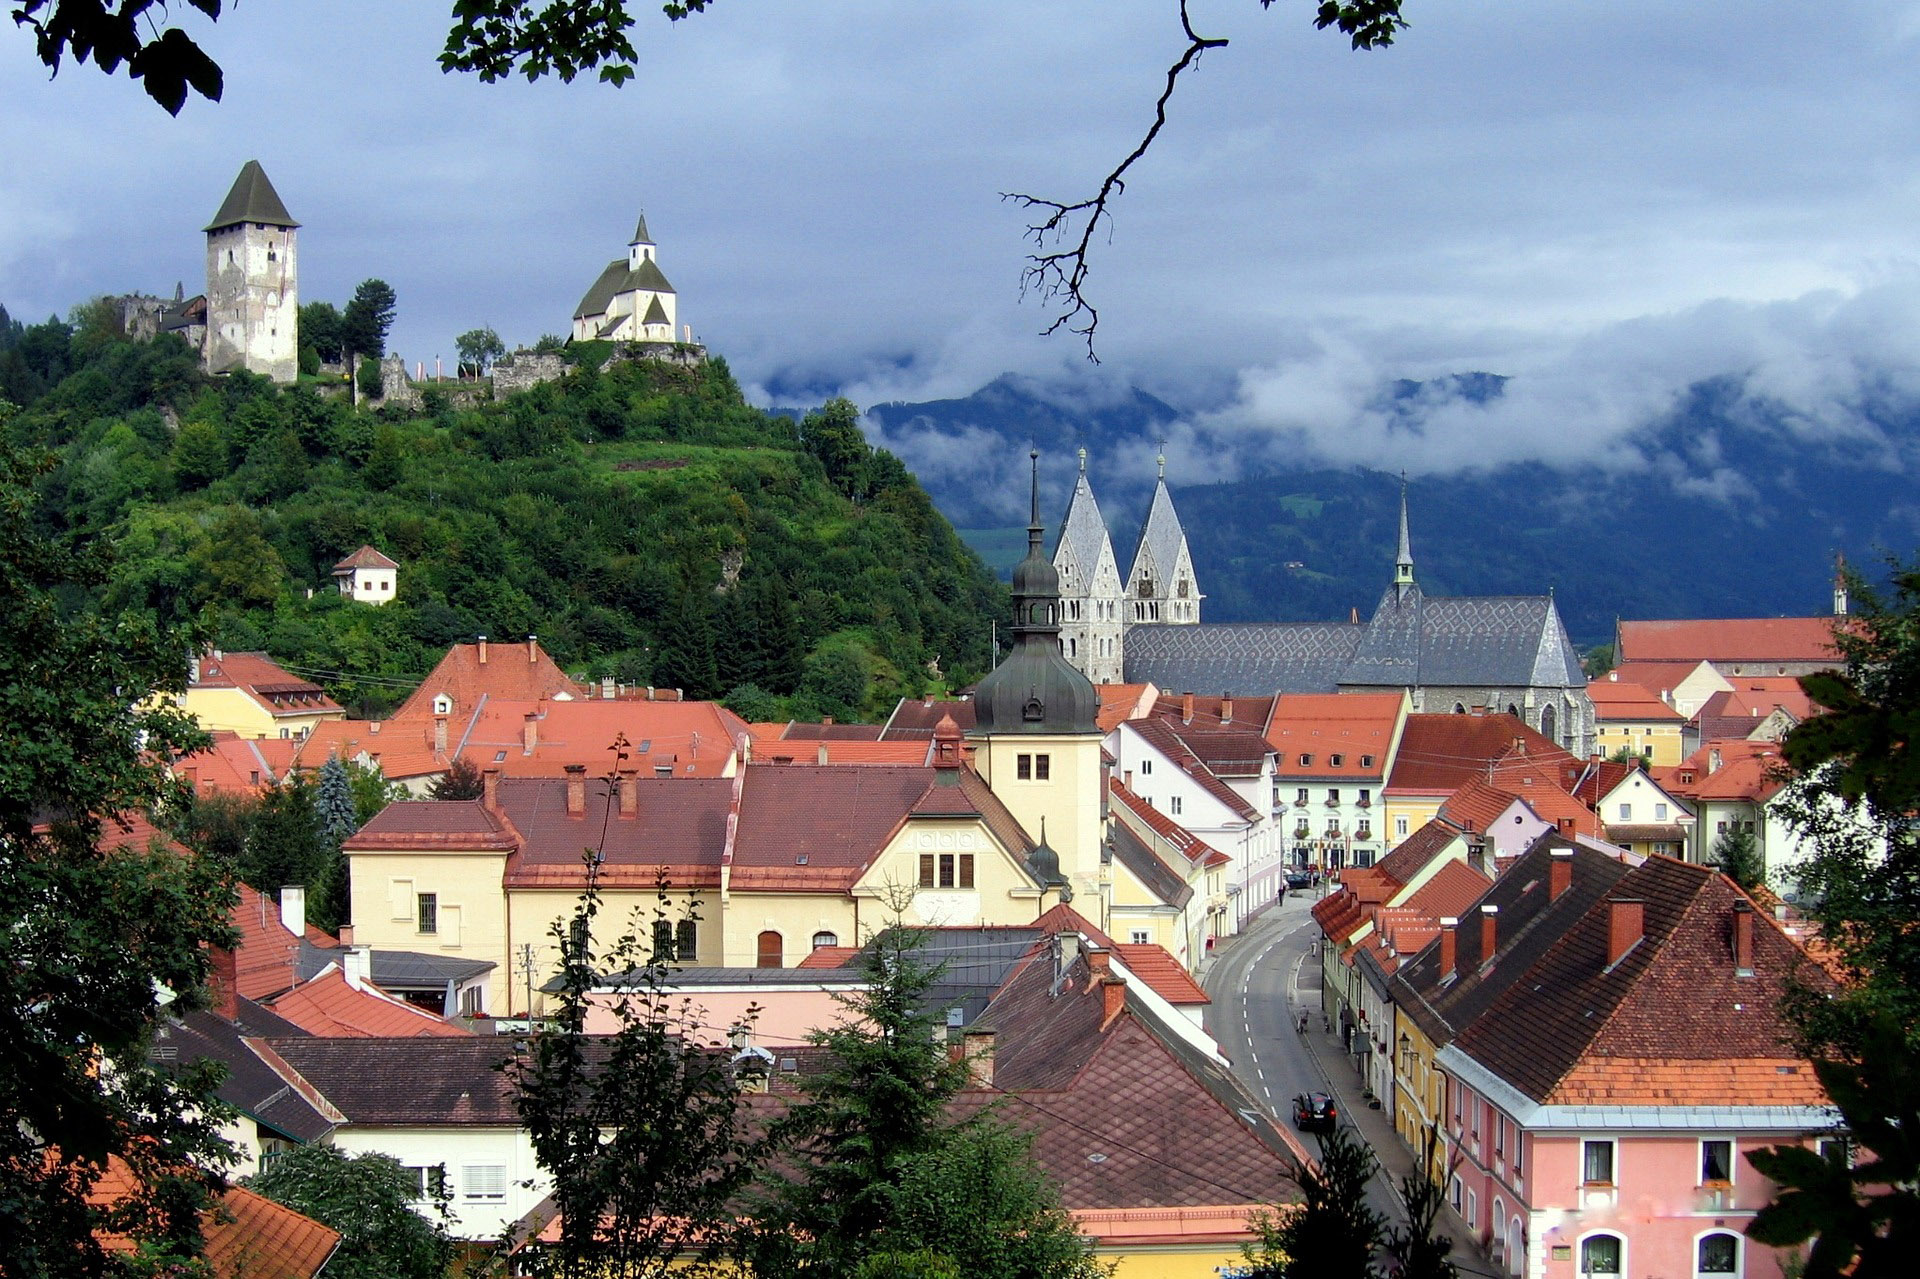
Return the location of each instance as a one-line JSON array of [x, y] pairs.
[[1377, 1130]]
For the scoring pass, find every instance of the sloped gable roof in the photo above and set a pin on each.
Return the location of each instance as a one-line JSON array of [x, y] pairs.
[[616, 279], [329, 1007], [1145, 865], [519, 671], [1156, 733], [247, 1236], [1161, 541], [1083, 541], [1513, 641], [1441, 753], [365, 557], [1729, 639], [408, 1082], [1416, 851], [1250, 658]]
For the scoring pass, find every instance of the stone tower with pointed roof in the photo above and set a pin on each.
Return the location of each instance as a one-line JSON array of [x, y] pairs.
[[1037, 741], [253, 293], [1161, 585], [631, 301], [1091, 593]]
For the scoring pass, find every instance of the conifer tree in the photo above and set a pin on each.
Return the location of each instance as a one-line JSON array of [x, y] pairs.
[[686, 659], [1332, 1233], [333, 803]]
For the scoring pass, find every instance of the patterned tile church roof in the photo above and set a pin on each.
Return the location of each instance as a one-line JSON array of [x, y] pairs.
[[252, 199], [1242, 657]]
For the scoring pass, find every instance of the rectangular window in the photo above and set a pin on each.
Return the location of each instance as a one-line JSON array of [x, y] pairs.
[[1336, 760], [686, 941], [1173, 805], [1023, 768], [1146, 768], [1836, 1150], [1300, 795], [1399, 828], [427, 1180], [1333, 794], [429, 912], [1141, 937], [1366, 797], [1042, 767], [1716, 1162], [1596, 1163], [926, 870], [1519, 1150], [1626, 812], [1306, 761], [946, 870], [662, 939], [1659, 812], [484, 1182]]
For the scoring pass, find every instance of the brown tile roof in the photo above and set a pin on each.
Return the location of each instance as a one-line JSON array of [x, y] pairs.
[[1226, 752], [818, 829], [1440, 753], [267, 960], [248, 1236], [1673, 996], [1476, 806], [1157, 734], [464, 824], [365, 557], [1211, 712], [1731, 639], [1412, 854], [1528, 922], [327, 1006], [829, 957], [1154, 873], [1354, 726], [913, 718], [917, 751], [1598, 778], [678, 823], [1453, 888], [1065, 919], [408, 1082], [520, 672], [1179, 837], [1172, 1126], [802, 731]]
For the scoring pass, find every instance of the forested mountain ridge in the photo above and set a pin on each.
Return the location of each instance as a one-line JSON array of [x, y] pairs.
[[642, 520], [1722, 507]]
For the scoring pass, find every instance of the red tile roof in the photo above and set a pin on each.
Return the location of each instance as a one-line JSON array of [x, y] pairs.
[[829, 957], [1658, 678], [1356, 727], [1065, 919], [248, 1236], [1412, 854], [267, 960], [1227, 752], [1731, 639], [365, 557], [1615, 699], [519, 671], [271, 687], [1453, 888], [1440, 753], [1156, 966], [331, 1008], [1476, 806], [916, 751], [694, 739], [400, 750], [232, 765], [1122, 702], [1599, 778], [1213, 712]]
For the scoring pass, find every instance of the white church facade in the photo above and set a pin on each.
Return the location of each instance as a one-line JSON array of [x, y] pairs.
[[632, 300]]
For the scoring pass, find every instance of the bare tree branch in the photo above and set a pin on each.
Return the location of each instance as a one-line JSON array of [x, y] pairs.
[[1059, 273]]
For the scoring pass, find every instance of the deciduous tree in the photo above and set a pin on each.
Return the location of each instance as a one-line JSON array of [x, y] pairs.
[[368, 1198]]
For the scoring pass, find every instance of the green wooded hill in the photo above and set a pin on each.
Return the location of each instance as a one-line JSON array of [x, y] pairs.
[[643, 521]]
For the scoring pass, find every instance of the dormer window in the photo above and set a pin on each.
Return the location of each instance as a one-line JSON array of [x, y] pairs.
[[443, 704]]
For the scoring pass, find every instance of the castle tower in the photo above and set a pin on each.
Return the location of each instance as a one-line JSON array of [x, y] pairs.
[[1037, 741], [253, 295], [1161, 586], [1090, 590]]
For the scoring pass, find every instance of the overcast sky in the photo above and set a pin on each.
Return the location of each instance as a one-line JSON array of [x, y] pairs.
[[1606, 200]]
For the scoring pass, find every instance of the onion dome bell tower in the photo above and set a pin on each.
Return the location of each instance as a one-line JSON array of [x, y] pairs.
[[1035, 721]]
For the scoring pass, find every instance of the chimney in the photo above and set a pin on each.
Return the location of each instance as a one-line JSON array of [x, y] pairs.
[[357, 966], [1559, 872], [1449, 945], [223, 982], [576, 790], [977, 1050], [1743, 938], [1626, 922], [293, 909], [490, 787], [1489, 936], [533, 650], [1226, 709], [439, 734], [820, 754], [345, 934], [606, 688], [1099, 962], [629, 784], [530, 731], [1186, 708], [1566, 825], [826, 721], [1113, 998], [482, 641]]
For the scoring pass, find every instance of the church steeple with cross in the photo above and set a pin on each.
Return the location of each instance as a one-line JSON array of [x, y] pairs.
[[1161, 587]]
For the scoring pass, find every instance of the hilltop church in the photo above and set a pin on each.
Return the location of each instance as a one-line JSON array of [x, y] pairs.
[[1450, 653]]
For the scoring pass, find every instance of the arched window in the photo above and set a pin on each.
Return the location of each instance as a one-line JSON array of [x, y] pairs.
[[1459, 708], [1717, 1253], [1516, 1247], [1513, 710], [772, 953], [824, 938], [1493, 1227], [1602, 1255], [1546, 723]]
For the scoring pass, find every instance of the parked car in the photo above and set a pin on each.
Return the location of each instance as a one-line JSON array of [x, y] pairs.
[[1299, 879], [1315, 1112]]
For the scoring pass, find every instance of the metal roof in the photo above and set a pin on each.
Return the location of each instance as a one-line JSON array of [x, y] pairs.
[[1083, 539], [1161, 539], [617, 279], [252, 199]]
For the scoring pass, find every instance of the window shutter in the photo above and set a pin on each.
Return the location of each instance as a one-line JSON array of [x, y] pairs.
[[400, 898]]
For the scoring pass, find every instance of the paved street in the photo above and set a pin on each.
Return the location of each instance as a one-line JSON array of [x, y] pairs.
[[1260, 982]]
